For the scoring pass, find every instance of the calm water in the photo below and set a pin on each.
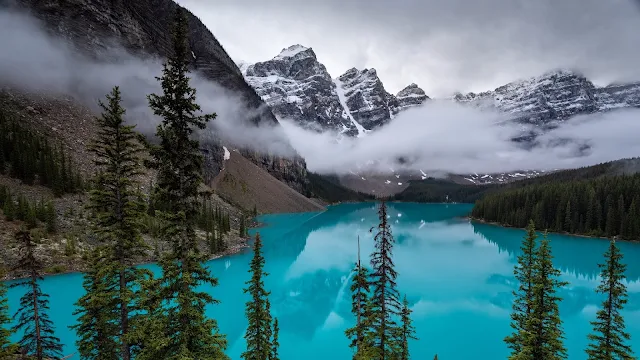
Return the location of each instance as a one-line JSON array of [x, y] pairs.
[[456, 275]]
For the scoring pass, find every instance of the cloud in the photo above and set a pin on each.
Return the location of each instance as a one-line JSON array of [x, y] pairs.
[[443, 136], [444, 46], [34, 61]]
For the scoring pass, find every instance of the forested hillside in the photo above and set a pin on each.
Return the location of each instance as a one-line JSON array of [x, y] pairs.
[[604, 206], [328, 188], [440, 190]]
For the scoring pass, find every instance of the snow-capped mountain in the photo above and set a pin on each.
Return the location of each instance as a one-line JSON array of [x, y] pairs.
[[554, 96], [298, 87]]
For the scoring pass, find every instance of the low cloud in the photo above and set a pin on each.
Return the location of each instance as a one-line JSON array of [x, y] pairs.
[[445, 137], [34, 61]]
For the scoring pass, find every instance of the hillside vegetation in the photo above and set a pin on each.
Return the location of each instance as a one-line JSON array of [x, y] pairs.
[[438, 190], [603, 206]]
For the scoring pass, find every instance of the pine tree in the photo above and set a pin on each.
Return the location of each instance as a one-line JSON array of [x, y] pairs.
[[258, 333], [6, 346], [385, 297], [523, 272], [275, 344], [50, 218], [609, 337], [9, 208], [359, 308], [118, 213], [188, 333], [408, 331], [243, 230], [38, 340], [543, 333], [97, 328]]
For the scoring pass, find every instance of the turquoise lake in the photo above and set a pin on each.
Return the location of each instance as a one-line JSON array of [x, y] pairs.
[[457, 275]]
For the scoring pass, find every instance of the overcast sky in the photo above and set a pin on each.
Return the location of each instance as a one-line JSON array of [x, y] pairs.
[[442, 45]]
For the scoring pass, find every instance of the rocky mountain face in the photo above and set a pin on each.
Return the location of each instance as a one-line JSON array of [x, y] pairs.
[[409, 97], [554, 96], [142, 27], [298, 87]]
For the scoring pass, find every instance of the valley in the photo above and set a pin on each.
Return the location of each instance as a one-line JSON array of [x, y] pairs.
[[161, 199]]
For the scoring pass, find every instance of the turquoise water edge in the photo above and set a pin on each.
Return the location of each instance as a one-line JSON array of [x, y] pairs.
[[457, 275]]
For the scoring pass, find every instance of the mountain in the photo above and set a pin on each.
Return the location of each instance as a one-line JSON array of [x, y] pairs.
[[142, 27], [298, 87], [552, 97]]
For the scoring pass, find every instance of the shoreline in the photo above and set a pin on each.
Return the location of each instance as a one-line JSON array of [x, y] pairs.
[[234, 249], [482, 221]]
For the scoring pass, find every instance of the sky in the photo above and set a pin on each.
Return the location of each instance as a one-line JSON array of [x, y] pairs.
[[442, 45]]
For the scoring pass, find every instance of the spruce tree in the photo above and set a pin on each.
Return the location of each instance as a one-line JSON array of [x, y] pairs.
[[6, 346], [38, 340], [50, 218], [408, 331], [523, 272], [118, 213], [385, 297], [188, 333], [609, 337], [258, 333], [98, 327], [360, 339], [543, 335], [275, 344], [9, 207]]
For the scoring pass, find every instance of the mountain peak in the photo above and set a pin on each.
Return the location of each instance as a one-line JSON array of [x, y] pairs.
[[291, 51]]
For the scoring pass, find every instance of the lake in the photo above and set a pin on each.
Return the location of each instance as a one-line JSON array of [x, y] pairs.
[[457, 275]]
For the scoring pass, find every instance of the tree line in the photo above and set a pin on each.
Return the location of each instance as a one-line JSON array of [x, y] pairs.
[[31, 212], [605, 206], [535, 318], [30, 157]]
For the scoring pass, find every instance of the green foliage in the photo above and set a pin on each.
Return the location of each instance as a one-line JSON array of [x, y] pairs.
[[56, 269], [117, 208], [28, 156], [6, 346], [444, 190], [543, 336], [360, 339], [243, 227], [258, 333], [523, 272], [97, 325], [70, 247], [385, 303], [275, 344], [20, 208], [605, 206], [439, 190], [38, 340], [609, 337], [408, 331], [183, 330]]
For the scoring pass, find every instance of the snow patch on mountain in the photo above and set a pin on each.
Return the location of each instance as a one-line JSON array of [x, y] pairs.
[[291, 51], [347, 112]]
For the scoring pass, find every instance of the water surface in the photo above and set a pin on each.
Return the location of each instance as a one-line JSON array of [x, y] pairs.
[[457, 275]]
